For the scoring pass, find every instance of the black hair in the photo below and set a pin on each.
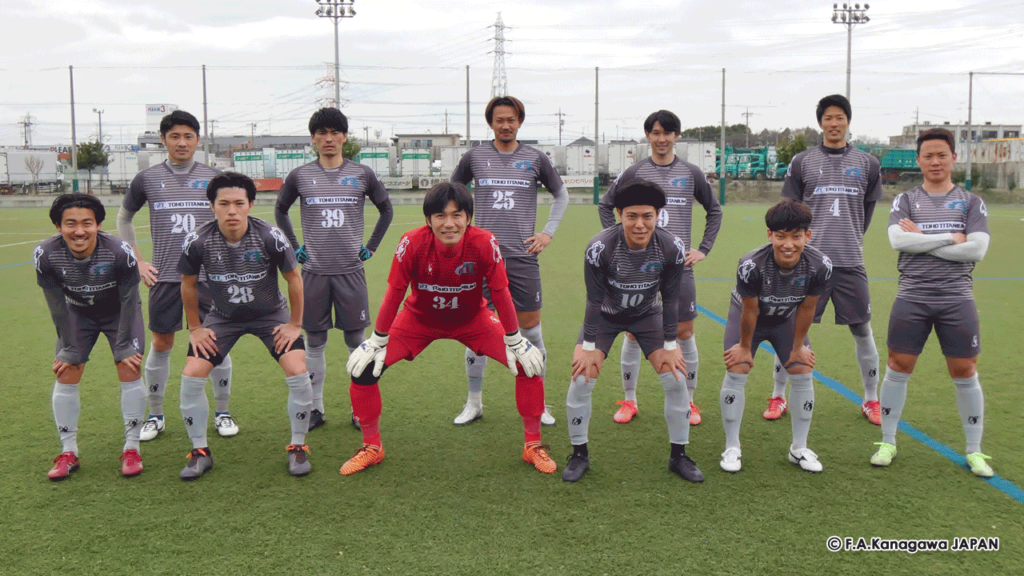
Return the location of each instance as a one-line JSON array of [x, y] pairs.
[[76, 200], [788, 214], [668, 121], [178, 118], [509, 101], [937, 134], [328, 119], [639, 192], [834, 100], [438, 197], [231, 180]]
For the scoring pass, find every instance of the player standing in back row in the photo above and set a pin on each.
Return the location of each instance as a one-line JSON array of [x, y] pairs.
[[841, 184], [331, 193], [176, 193], [683, 183], [505, 175]]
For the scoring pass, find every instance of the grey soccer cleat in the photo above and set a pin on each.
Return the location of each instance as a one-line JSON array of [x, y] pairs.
[[298, 463], [199, 461], [575, 467], [686, 468]]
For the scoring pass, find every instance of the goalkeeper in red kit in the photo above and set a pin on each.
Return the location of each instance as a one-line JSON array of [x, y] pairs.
[[445, 264]]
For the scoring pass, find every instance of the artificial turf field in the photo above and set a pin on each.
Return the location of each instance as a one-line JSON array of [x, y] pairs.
[[458, 500]]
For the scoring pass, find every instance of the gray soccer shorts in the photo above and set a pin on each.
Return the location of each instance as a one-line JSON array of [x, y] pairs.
[[687, 301], [87, 328], [166, 308], [780, 336], [523, 283], [229, 331], [648, 331], [955, 324], [849, 295], [346, 293]]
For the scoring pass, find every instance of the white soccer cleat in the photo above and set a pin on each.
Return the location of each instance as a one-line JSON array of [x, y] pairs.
[[470, 413], [807, 459], [151, 429], [226, 426], [546, 418], [731, 460]]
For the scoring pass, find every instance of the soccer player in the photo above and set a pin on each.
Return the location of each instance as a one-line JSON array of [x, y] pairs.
[[241, 256], [841, 184], [627, 267], [777, 289], [331, 192], [505, 174], [91, 283], [683, 184], [176, 193], [445, 264], [940, 231]]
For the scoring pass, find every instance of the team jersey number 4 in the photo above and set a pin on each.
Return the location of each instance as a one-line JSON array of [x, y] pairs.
[[503, 200], [834, 209], [442, 303]]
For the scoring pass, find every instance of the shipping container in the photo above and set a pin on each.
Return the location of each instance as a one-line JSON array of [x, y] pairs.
[[416, 162], [288, 160], [450, 157], [378, 158], [250, 163], [621, 155], [580, 159]]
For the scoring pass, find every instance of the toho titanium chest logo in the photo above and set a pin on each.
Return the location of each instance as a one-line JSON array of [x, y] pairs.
[[746, 267], [181, 205], [466, 268], [594, 253], [957, 205], [652, 267], [523, 165]]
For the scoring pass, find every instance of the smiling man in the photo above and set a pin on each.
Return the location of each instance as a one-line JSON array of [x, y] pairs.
[[242, 256], [841, 184], [777, 289], [444, 265], [91, 283]]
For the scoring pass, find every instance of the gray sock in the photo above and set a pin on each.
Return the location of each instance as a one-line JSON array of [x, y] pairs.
[[220, 381], [677, 408], [300, 402], [133, 408], [67, 405], [689, 349], [867, 359], [158, 367], [892, 398], [536, 337], [732, 400], [317, 366], [578, 408], [475, 366], [801, 398], [780, 377], [971, 402], [195, 409], [629, 361]]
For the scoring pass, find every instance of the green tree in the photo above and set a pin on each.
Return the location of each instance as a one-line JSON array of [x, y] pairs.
[[786, 150], [90, 157]]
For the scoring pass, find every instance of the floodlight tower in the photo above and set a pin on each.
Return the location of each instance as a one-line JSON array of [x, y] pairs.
[[849, 15], [336, 10]]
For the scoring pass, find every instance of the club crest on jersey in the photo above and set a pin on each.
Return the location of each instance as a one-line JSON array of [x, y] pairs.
[[251, 256], [746, 267], [349, 181], [681, 246], [896, 203], [37, 255], [280, 240], [496, 252], [400, 251], [679, 183], [523, 164], [131, 253], [828, 266], [189, 239], [466, 268], [853, 173], [102, 268], [958, 205], [594, 252], [198, 183], [652, 267]]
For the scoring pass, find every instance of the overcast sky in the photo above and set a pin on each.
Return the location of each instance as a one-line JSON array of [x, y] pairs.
[[403, 64]]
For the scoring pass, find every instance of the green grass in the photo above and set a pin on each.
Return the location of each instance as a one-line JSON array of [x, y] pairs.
[[459, 500]]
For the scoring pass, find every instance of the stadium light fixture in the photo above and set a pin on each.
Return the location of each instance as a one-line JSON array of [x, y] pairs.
[[336, 10], [849, 16]]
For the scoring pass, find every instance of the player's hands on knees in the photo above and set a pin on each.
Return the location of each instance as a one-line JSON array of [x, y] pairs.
[[284, 336], [519, 349], [59, 368], [537, 243], [738, 355], [203, 342], [693, 256], [664, 360], [373, 349], [907, 225], [801, 355], [148, 272], [586, 362], [132, 363]]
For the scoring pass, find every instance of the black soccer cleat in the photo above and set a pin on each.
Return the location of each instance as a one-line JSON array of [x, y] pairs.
[[575, 467], [355, 422], [316, 419], [686, 468]]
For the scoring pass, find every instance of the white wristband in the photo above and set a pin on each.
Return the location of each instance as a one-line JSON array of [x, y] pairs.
[[589, 346], [670, 346]]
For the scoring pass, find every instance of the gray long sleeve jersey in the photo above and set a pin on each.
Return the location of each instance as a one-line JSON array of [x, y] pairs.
[[683, 184]]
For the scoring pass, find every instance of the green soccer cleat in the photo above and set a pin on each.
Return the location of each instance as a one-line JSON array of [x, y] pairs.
[[976, 460], [886, 452]]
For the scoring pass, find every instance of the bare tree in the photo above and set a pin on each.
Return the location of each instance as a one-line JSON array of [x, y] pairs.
[[34, 164]]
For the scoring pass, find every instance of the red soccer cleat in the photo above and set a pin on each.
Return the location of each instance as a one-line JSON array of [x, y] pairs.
[[694, 415], [873, 411], [63, 466], [131, 463], [776, 408], [626, 412]]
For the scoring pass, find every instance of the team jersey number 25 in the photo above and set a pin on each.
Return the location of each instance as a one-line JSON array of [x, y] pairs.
[[503, 200]]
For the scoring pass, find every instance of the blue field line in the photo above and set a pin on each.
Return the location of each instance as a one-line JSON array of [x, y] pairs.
[[1005, 486]]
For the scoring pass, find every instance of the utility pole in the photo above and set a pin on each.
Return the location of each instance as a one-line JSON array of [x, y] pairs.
[[597, 178], [467, 107], [721, 155], [970, 134], [747, 114], [74, 141], [206, 131], [99, 140], [26, 124], [213, 130], [366, 135], [446, 121], [252, 140], [560, 124]]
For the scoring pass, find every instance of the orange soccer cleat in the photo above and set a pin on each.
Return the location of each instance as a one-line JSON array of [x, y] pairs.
[[873, 411], [776, 408], [536, 454], [694, 415], [626, 412], [368, 455]]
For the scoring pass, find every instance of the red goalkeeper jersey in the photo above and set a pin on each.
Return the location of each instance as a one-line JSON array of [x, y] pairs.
[[447, 282]]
